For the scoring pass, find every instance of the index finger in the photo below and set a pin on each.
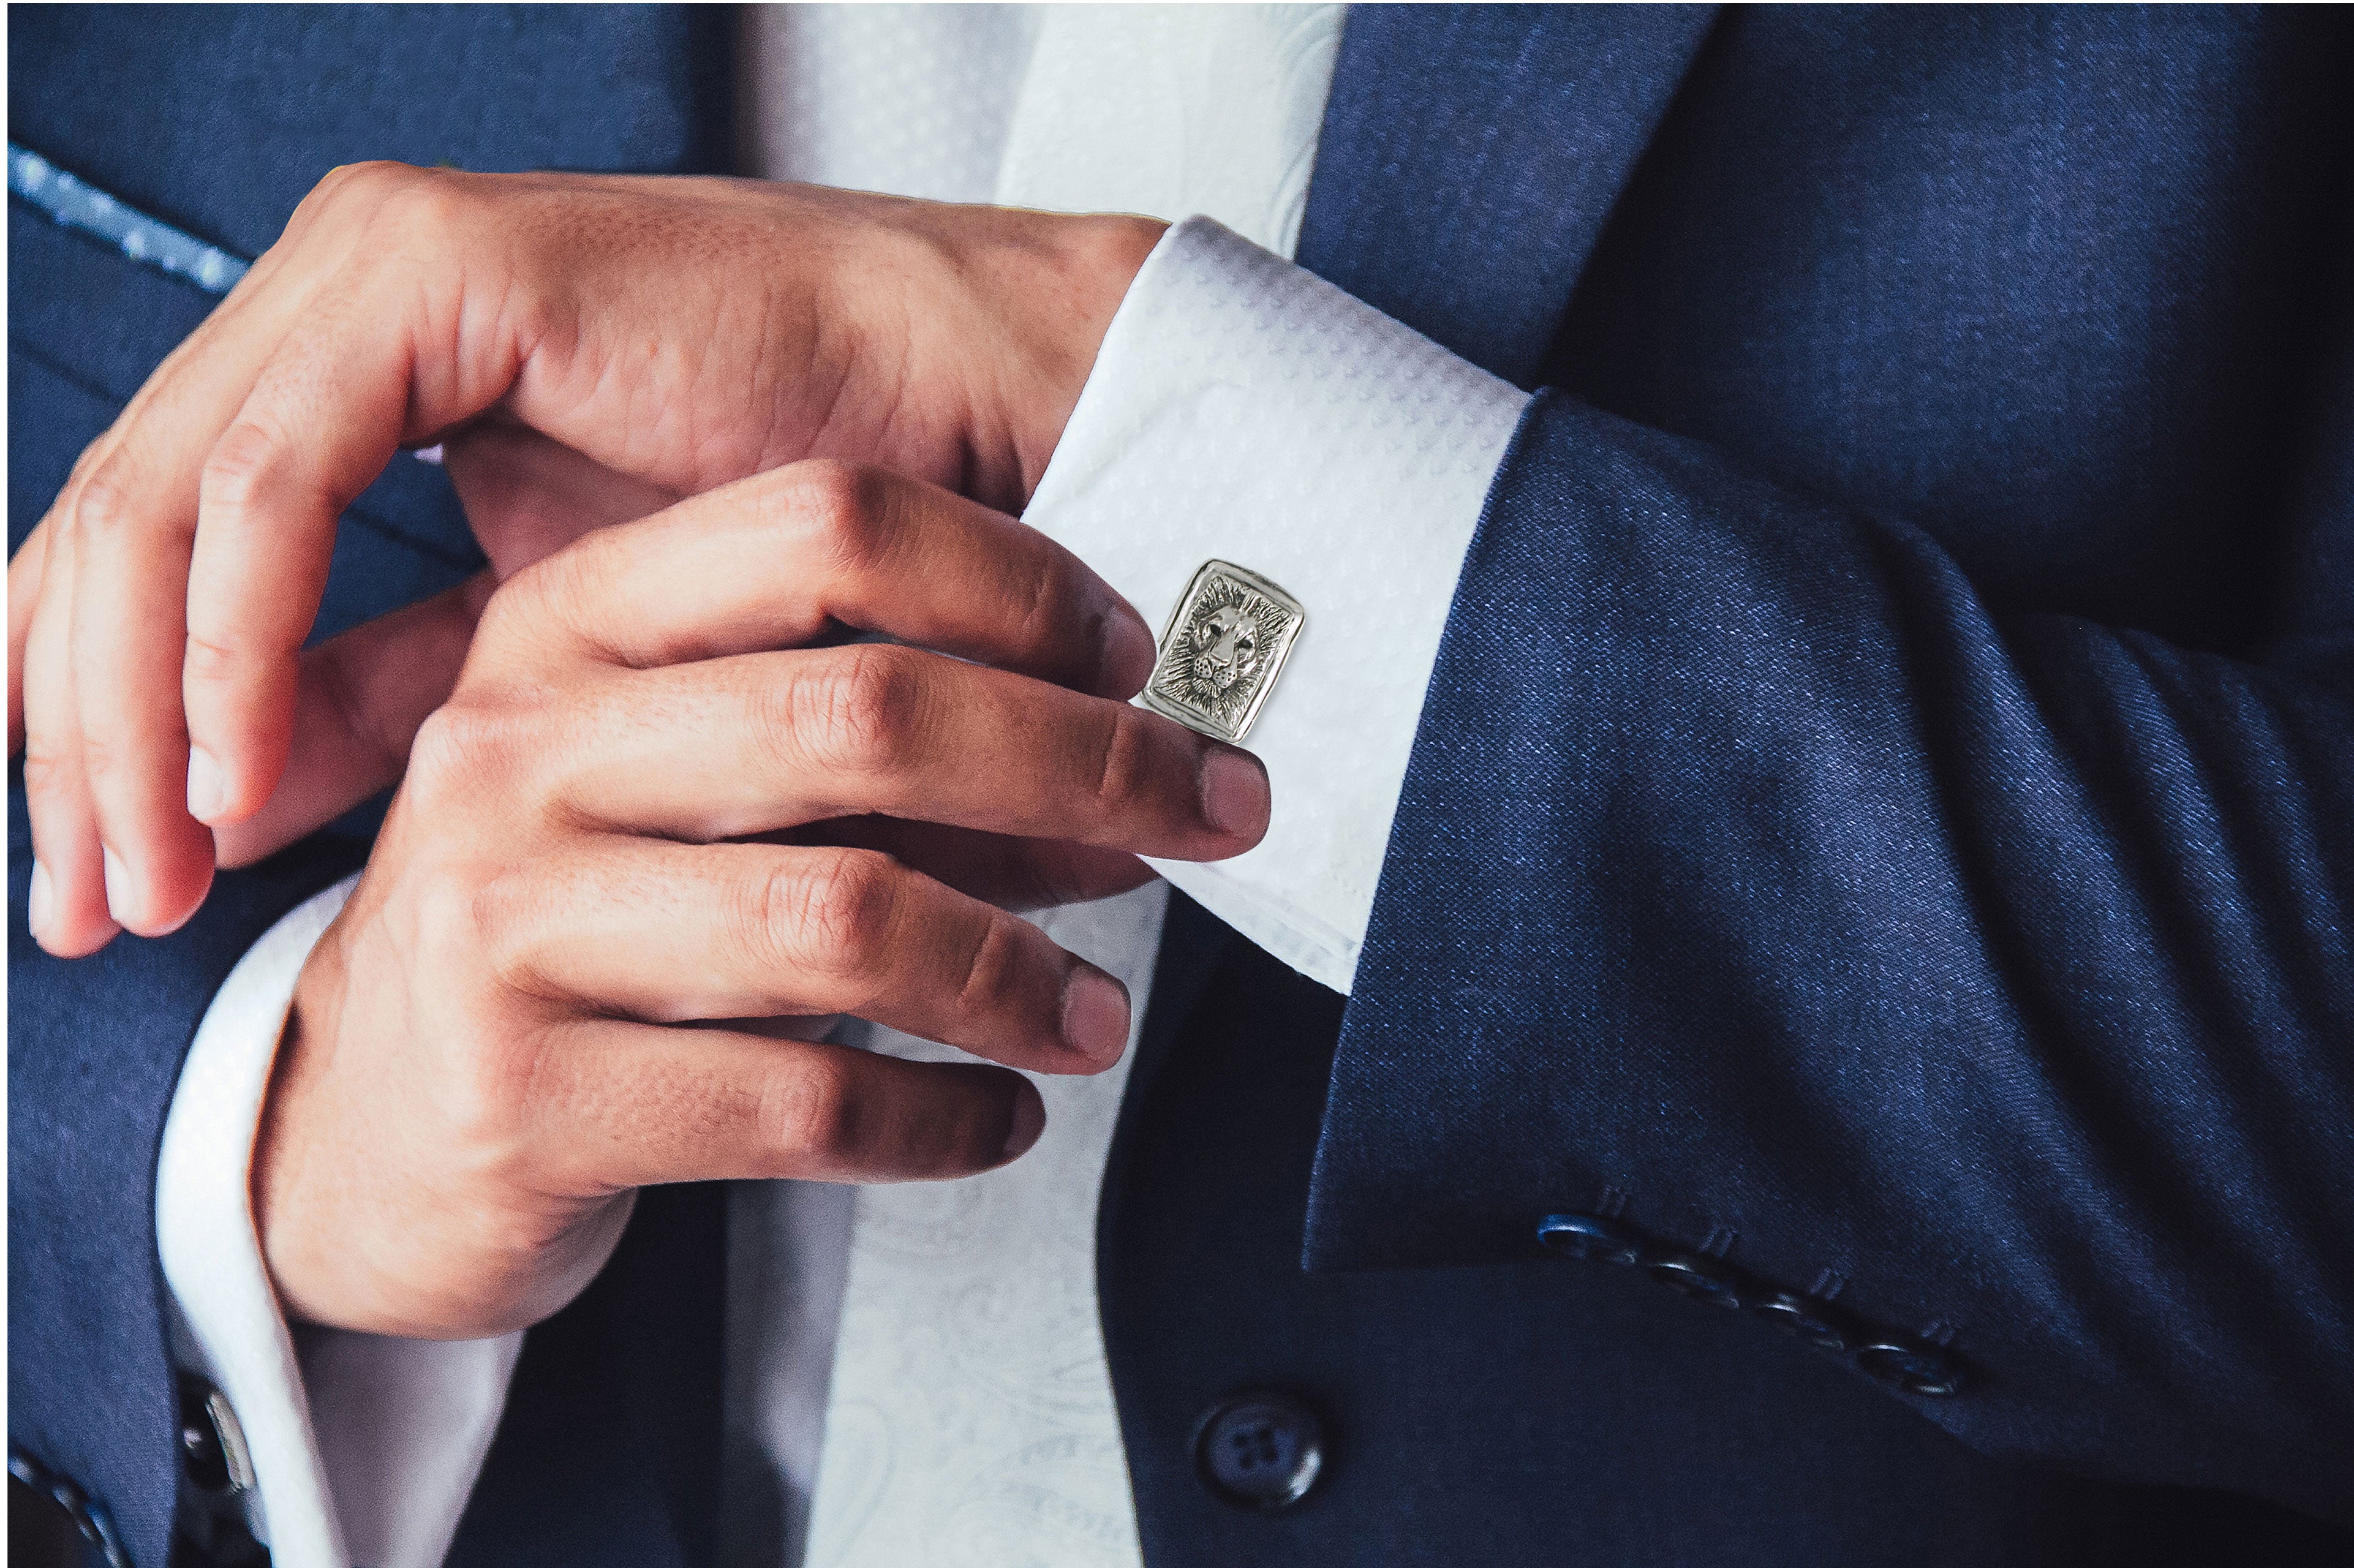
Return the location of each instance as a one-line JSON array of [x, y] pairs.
[[774, 560]]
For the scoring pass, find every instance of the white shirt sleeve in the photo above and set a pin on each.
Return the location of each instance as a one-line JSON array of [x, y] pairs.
[[1243, 410], [363, 1450]]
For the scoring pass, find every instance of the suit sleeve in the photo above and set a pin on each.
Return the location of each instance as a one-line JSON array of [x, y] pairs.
[[1985, 982], [94, 1052]]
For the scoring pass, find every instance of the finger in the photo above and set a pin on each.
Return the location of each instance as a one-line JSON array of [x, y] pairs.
[[360, 698], [129, 591], [528, 496], [386, 353], [764, 741], [66, 906], [669, 932], [265, 533], [131, 507], [23, 593], [772, 561], [629, 1105], [996, 868]]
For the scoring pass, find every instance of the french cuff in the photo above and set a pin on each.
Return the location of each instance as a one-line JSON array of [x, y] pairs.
[[1245, 410], [362, 1448]]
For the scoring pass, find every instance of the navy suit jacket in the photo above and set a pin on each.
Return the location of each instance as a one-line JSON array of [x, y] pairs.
[[1879, 846]]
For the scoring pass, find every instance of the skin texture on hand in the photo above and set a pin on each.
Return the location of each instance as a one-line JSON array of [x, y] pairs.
[[675, 334], [662, 797]]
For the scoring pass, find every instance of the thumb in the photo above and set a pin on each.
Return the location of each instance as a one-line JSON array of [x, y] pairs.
[[359, 699], [528, 496]]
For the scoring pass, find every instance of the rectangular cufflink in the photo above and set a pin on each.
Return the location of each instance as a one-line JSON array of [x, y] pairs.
[[1224, 643]]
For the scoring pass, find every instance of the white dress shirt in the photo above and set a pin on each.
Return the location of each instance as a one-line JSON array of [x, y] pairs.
[[1240, 409]]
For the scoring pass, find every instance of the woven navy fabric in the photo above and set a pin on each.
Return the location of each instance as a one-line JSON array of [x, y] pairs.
[[1884, 810], [1881, 815]]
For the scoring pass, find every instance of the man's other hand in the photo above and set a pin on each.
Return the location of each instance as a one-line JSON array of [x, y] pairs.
[[680, 332], [632, 820]]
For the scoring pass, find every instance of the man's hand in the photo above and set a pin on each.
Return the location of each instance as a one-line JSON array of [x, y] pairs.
[[488, 1052], [679, 333]]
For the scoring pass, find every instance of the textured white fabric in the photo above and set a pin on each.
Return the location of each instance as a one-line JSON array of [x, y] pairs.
[[1245, 410], [970, 1420], [910, 99], [403, 1428], [1175, 109], [205, 1233]]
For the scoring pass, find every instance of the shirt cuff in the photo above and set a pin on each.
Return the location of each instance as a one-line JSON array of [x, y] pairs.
[[360, 1446], [1243, 409]]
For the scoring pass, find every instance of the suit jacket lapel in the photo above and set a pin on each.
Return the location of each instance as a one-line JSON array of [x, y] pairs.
[[1471, 155]]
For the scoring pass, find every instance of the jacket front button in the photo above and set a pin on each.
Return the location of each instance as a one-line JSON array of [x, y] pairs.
[[1259, 1449]]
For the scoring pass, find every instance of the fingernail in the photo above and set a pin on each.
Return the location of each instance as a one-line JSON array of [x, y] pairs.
[[38, 895], [1125, 652], [1234, 798], [1029, 1121], [122, 899], [1095, 1013], [207, 785]]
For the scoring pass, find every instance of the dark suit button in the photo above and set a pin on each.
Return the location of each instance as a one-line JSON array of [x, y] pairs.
[[1259, 1449], [1802, 1318], [1701, 1279], [1587, 1236], [1911, 1369]]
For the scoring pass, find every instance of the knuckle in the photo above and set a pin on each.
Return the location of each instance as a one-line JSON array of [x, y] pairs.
[[553, 590], [992, 970], [863, 710], [365, 182], [417, 204], [833, 916], [838, 505], [564, 594], [48, 770], [510, 609], [101, 756], [1122, 758], [210, 662], [499, 919], [239, 466], [458, 747], [547, 599], [813, 1110], [1049, 603], [105, 501]]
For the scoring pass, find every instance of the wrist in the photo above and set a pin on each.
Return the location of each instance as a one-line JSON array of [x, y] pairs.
[[1041, 289], [1081, 291]]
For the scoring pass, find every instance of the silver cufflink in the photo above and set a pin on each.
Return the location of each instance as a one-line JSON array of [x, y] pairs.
[[1219, 656]]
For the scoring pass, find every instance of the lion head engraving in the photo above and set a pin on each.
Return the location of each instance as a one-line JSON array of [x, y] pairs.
[[1226, 646], [1219, 658]]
